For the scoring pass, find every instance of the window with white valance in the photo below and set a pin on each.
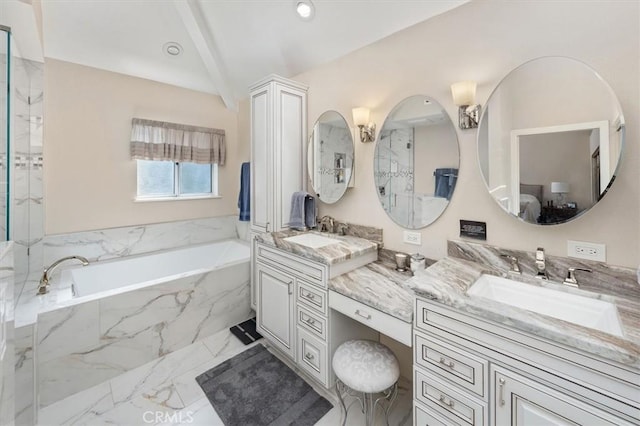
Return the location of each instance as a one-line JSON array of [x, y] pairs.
[[162, 141], [176, 161]]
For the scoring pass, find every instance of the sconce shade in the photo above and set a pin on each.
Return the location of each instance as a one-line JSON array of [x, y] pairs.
[[560, 187], [464, 92], [360, 116]]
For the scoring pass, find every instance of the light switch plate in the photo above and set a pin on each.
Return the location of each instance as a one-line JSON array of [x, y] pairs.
[[412, 238], [585, 250]]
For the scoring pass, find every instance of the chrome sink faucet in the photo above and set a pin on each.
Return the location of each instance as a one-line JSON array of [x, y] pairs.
[[43, 287], [541, 264], [571, 277], [515, 265]]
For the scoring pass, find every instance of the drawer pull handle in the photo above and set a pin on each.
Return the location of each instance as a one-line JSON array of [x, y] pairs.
[[501, 383], [446, 363], [310, 321], [309, 296], [308, 357], [363, 314], [448, 403]]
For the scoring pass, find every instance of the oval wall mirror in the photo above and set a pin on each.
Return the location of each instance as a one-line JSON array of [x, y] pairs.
[[550, 140], [416, 162], [330, 156]]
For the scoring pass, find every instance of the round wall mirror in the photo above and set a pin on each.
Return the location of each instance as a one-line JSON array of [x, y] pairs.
[[330, 157], [416, 162], [550, 140]]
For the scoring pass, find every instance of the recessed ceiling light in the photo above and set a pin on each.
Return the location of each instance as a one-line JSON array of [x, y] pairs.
[[172, 48], [304, 9]]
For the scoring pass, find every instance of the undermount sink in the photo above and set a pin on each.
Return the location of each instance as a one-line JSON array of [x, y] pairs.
[[585, 311], [312, 240]]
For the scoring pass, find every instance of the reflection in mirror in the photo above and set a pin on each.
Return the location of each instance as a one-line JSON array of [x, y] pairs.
[[550, 140], [416, 162], [330, 156]]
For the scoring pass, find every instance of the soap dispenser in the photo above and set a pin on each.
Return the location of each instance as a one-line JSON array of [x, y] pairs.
[[418, 261]]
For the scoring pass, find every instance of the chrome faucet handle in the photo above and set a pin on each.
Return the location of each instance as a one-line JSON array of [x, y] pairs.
[[342, 228], [571, 276], [541, 264], [515, 265]]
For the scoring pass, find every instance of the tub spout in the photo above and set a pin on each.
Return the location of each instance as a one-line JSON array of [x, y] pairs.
[[43, 287]]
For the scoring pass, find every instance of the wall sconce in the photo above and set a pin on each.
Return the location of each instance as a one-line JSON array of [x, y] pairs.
[[367, 129], [464, 96]]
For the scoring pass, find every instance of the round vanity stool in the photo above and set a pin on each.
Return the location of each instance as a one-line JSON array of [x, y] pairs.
[[366, 370]]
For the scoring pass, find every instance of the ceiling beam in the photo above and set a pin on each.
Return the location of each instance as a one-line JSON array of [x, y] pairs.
[[202, 38]]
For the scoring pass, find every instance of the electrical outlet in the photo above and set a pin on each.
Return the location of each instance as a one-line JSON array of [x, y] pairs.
[[413, 238], [589, 251]]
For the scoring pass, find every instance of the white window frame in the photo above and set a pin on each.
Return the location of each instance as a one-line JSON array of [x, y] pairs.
[[176, 196]]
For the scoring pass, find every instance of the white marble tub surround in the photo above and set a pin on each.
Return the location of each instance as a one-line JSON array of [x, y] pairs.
[[349, 247], [448, 280], [378, 286], [91, 339], [130, 240]]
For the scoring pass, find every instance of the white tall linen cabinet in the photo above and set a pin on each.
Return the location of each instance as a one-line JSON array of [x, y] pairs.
[[278, 153]]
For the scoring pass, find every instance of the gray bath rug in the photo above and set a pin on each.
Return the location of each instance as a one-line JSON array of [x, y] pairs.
[[255, 388]]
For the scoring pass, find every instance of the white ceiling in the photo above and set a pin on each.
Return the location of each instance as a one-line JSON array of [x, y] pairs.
[[228, 44]]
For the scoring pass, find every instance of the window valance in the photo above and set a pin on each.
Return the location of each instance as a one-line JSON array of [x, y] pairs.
[[159, 140]]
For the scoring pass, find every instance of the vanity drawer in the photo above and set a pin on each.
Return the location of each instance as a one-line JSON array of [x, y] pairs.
[[384, 323], [312, 356], [315, 273], [312, 322], [311, 297], [425, 417], [453, 363], [447, 401]]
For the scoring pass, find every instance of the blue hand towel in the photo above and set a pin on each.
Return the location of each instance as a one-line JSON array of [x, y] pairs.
[[445, 182], [296, 218], [244, 198]]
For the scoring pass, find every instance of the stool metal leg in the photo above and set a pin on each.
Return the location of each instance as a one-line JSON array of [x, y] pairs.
[[343, 408], [390, 395]]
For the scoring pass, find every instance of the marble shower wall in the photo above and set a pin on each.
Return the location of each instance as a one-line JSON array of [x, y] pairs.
[[604, 278], [27, 215], [82, 345], [112, 243], [7, 336]]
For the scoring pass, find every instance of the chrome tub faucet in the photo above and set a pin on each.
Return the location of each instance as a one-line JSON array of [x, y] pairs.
[[43, 287]]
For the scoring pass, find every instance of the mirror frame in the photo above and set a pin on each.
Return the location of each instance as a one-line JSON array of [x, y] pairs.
[[517, 133]]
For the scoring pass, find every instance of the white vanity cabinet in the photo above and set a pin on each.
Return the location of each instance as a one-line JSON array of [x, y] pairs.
[[469, 371], [293, 311], [278, 150]]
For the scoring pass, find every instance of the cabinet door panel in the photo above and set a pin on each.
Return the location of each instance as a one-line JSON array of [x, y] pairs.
[[520, 401], [275, 313], [290, 159], [261, 139]]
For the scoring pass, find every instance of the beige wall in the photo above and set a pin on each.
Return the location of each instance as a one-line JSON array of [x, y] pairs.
[[89, 178], [484, 40]]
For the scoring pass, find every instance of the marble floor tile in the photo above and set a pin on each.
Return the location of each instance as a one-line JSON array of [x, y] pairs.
[[158, 373], [81, 408], [165, 392]]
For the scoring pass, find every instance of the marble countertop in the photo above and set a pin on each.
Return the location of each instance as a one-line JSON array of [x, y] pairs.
[[448, 279], [348, 247], [378, 286]]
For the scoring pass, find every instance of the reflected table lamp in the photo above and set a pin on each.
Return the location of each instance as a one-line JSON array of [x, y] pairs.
[[560, 189]]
